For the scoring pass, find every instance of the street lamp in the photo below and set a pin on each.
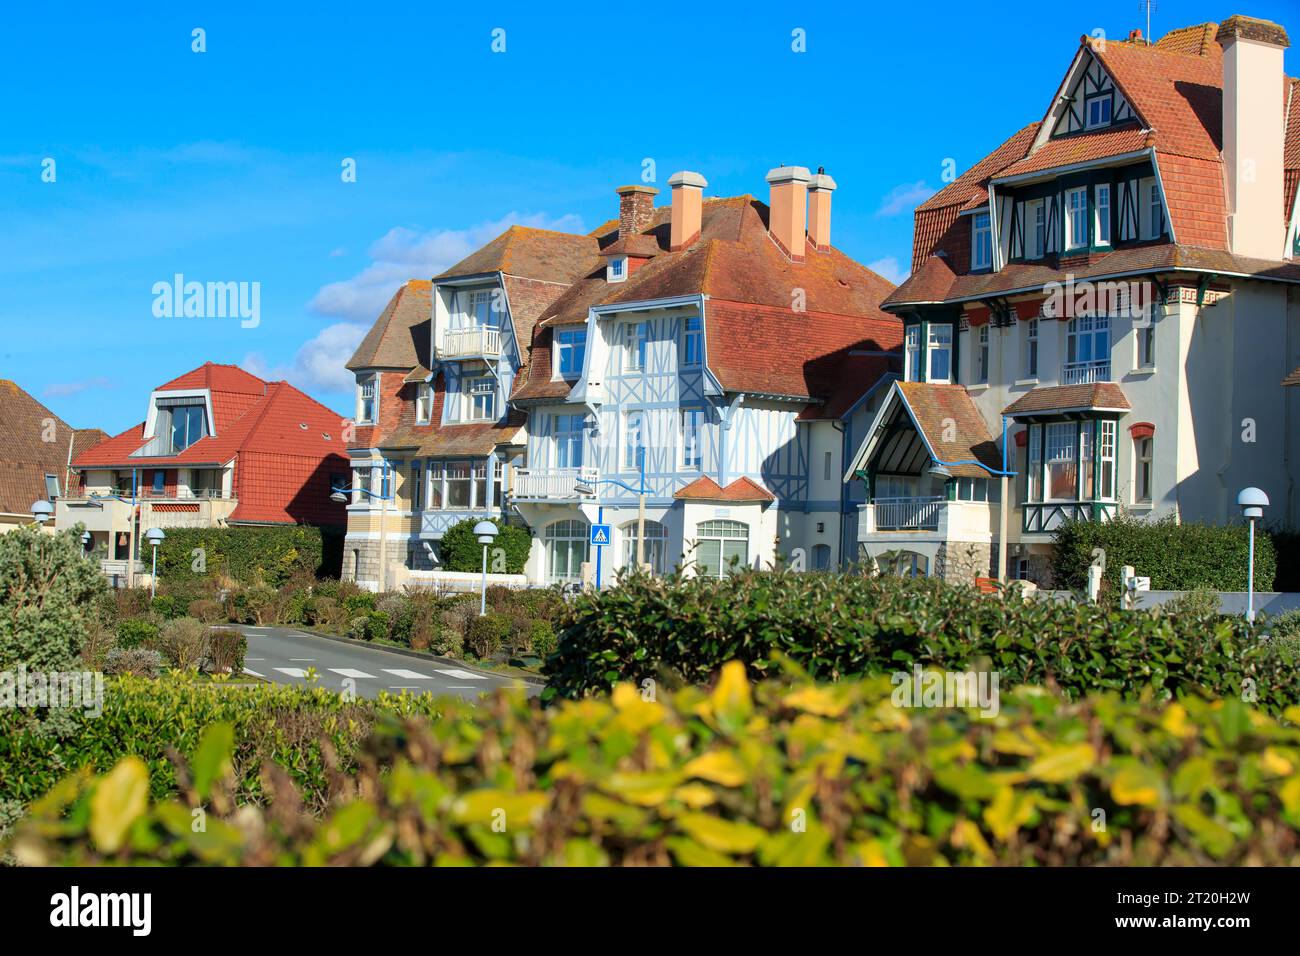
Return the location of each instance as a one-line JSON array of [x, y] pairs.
[[42, 511], [487, 533], [1252, 502], [155, 536]]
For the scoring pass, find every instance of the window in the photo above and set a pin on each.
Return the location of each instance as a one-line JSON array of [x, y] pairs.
[[821, 557], [1062, 461], [982, 355], [1087, 351], [459, 483], [1087, 461], [1097, 111], [51, 487], [912, 345], [482, 397], [1034, 464], [828, 473], [656, 546], [186, 426], [570, 349], [479, 478], [972, 489], [423, 401], [366, 405], [637, 333], [633, 441], [482, 312], [159, 482], [617, 269], [1103, 214], [939, 350], [568, 441], [498, 483], [1146, 344], [1142, 470], [434, 497], [566, 550], [1036, 234], [692, 438], [1106, 454], [1031, 349], [718, 544], [1076, 218], [1157, 215], [692, 343], [981, 248], [417, 487]]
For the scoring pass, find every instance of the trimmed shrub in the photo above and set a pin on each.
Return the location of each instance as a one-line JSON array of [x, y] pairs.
[[1177, 557], [485, 635], [248, 555], [358, 602], [136, 632], [729, 774], [462, 552], [140, 661], [166, 607], [541, 637], [226, 650], [49, 594], [846, 625], [1202, 604], [323, 612], [184, 642]]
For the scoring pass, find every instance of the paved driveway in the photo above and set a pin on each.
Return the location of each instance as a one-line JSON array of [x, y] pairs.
[[284, 655]]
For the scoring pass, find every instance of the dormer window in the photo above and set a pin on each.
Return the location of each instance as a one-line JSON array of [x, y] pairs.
[[981, 248], [366, 398], [617, 270], [1097, 111], [185, 423], [423, 401], [570, 350]]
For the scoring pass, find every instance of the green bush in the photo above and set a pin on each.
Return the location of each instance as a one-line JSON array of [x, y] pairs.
[[790, 773], [226, 650], [1201, 603], [275, 723], [167, 607], [49, 597], [136, 632], [846, 625], [484, 635], [362, 602], [1176, 557], [462, 552], [140, 661], [248, 555], [185, 642], [541, 636]]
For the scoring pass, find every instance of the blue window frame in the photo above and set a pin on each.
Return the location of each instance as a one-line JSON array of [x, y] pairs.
[[693, 343], [571, 349]]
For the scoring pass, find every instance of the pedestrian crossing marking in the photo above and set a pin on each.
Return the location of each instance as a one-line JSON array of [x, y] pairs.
[[350, 672], [405, 674], [253, 673], [460, 675], [292, 671]]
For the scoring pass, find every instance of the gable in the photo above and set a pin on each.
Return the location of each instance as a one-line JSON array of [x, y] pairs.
[[1086, 83]]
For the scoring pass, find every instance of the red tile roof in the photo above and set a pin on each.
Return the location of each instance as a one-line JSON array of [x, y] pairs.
[[400, 337], [1055, 398], [741, 490], [285, 445], [26, 457], [941, 411]]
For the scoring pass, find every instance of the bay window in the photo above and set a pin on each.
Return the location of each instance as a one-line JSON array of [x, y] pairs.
[[939, 350], [718, 544], [912, 346], [1087, 351], [1061, 461]]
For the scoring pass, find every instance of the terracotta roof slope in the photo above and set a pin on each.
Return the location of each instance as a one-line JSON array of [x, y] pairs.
[[1056, 398], [940, 411], [742, 489], [400, 336], [531, 253], [26, 457]]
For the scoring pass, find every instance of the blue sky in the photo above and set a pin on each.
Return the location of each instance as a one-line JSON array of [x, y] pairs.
[[225, 165]]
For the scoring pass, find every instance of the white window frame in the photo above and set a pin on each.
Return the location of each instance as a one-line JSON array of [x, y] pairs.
[[569, 342], [576, 538], [691, 453], [1031, 349], [633, 439], [423, 402], [636, 346], [1035, 228], [568, 430], [981, 242], [982, 354], [1143, 456], [1088, 122], [1076, 215], [724, 532], [936, 345], [617, 271], [912, 349], [1101, 217], [368, 390], [480, 390]]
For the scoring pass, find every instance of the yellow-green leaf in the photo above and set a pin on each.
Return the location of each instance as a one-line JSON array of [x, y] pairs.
[[1059, 764], [725, 836], [120, 798]]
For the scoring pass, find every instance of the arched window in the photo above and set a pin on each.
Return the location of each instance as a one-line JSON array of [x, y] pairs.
[[717, 544], [566, 550], [656, 546], [821, 556]]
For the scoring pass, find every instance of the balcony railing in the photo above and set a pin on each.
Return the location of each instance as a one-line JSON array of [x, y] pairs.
[[530, 484], [145, 494], [1085, 373], [475, 342], [1042, 517], [906, 514]]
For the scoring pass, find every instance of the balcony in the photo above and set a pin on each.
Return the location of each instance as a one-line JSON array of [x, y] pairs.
[[1085, 373], [536, 485], [473, 342], [936, 519]]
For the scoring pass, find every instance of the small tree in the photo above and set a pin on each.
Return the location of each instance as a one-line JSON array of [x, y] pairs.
[[49, 592], [462, 552]]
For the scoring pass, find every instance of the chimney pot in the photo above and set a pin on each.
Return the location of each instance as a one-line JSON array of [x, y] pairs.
[[636, 209], [788, 209], [687, 208]]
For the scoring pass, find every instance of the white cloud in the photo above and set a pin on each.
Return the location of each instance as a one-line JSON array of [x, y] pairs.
[[318, 366], [888, 268], [904, 198], [63, 389], [404, 254]]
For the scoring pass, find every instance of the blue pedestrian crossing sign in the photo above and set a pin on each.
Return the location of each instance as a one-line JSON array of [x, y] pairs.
[[600, 534]]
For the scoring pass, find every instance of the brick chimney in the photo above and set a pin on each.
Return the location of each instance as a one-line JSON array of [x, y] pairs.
[[788, 209], [1252, 134], [688, 203], [636, 207], [819, 210]]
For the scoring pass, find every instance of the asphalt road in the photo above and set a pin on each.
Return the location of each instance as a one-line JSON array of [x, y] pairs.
[[284, 655]]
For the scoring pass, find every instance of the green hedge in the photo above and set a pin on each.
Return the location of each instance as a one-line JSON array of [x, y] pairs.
[[847, 625], [1176, 557], [272, 555], [787, 774], [462, 552], [147, 718]]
